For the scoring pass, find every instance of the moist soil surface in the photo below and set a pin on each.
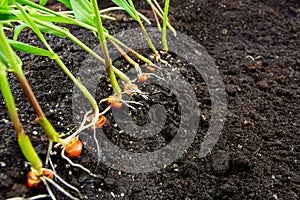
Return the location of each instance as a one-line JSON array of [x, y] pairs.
[[255, 45]]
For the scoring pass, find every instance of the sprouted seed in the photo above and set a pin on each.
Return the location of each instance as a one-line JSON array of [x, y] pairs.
[[101, 121], [114, 101], [130, 89], [33, 181], [73, 148]]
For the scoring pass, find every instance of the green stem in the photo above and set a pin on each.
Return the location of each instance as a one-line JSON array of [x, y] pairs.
[[17, 69], [81, 87], [30, 154], [136, 54], [132, 62], [102, 40], [151, 45], [9, 101], [164, 30], [122, 76], [159, 13], [51, 133], [29, 93], [23, 140]]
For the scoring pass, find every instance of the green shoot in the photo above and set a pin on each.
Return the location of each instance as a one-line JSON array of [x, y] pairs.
[[124, 4], [102, 40], [132, 62], [151, 45], [164, 30], [160, 13]]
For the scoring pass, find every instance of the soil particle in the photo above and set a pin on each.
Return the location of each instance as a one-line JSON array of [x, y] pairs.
[[17, 190], [220, 162]]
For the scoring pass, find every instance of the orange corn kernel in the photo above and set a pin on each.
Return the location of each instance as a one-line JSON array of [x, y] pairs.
[[48, 173], [101, 121], [32, 181], [74, 148]]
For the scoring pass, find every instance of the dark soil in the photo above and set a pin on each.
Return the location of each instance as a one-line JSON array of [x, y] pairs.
[[255, 44]]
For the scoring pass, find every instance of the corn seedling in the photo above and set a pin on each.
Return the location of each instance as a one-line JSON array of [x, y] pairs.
[[10, 62]]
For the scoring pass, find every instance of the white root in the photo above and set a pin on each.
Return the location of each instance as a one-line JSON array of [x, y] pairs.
[[64, 182], [58, 187], [48, 189], [69, 185], [40, 196], [78, 165], [48, 152], [98, 148], [51, 164]]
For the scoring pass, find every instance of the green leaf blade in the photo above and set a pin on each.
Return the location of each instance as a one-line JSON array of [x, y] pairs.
[[27, 48]]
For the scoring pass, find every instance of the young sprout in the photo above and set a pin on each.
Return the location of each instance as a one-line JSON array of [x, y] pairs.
[[73, 148], [114, 101], [117, 97], [101, 121]]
